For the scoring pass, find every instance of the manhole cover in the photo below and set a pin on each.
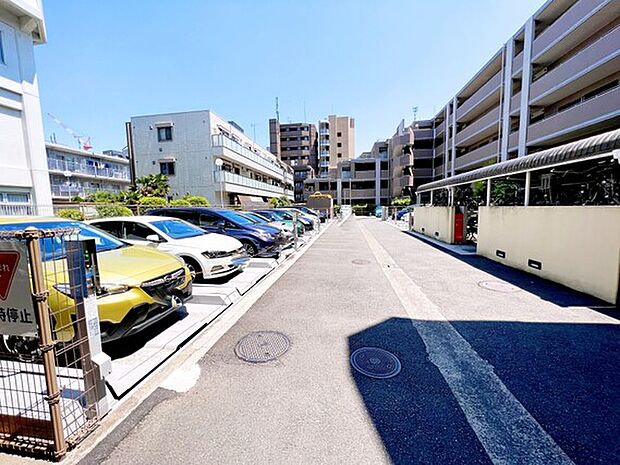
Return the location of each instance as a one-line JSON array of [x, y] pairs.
[[360, 261], [375, 362], [498, 286], [262, 346]]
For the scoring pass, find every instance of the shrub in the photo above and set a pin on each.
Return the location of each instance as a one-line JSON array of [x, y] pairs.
[[71, 214], [101, 197], [319, 195], [401, 201], [152, 201], [360, 209], [77, 199], [106, 211], [337, 209], [197, 200], [179, 203]]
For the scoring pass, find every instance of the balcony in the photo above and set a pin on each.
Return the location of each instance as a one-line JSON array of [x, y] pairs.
[[234, 151], [576, 24], [480, 100], [515, 104], [422, 134], [88, 171], [423, 172], [477, 157], [440, 129], [324, 132], [324, 164], [479, 129], [595, 62], [422, 154], [236, 183], [324, 142], [363, 193], [405, 160], [596, 110], [513, 141], [517, 64]]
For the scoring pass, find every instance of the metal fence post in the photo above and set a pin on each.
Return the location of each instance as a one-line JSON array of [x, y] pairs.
[[295, 229], [39, 296]]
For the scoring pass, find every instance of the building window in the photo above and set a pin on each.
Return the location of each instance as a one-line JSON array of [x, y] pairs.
[[167, 168], [339, 144], [338, 134], [339, 155], [164, 134]]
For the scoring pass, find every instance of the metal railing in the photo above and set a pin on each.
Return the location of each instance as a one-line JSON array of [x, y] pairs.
[[234, 178], [220, 140], [89, 170]]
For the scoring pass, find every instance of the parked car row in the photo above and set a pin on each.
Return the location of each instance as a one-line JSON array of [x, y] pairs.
[[147, 264]]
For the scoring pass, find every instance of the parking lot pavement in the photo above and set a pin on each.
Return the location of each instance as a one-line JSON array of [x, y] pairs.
[[497, 367]]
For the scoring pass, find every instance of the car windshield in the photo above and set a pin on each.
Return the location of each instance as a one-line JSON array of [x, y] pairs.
[[53, 248], [257, 218], [284, 214], [177, 229], [235, 217], [249, 217]]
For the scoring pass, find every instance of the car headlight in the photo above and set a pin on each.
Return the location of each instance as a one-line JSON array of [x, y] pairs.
[[265, 236], [104, 289]]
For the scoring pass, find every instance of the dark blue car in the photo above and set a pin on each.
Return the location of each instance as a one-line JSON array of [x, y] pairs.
[[258, 240]]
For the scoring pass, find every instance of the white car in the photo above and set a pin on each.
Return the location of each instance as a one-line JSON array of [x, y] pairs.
[[207, 255]]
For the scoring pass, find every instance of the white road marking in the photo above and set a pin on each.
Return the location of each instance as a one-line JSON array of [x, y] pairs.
[[507, 431], [182, 379]]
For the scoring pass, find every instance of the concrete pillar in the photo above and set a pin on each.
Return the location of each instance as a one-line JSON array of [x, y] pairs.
[[446, 133], [506, 95], [377, 181], [453, 159], [524, 112], [339, 191], [432, 198]]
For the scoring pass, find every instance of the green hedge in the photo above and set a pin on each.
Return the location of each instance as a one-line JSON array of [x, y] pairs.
[[196, 201], [152, 201], [106, 211], [71, 214], [180, 203]]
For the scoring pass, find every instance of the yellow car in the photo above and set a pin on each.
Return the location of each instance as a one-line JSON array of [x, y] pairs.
[[139, 285]]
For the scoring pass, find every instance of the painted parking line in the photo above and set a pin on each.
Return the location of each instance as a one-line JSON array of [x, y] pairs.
[[507, 431]]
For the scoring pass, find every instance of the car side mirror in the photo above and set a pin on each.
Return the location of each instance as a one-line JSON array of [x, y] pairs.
[[221, 224], [153, 238]]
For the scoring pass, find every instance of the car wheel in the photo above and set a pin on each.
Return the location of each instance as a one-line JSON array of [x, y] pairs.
[[194, 268], [249, 248]]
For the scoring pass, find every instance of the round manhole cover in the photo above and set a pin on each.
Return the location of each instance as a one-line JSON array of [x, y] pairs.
[[360, 261], [498, 286], [262, 346], [375, 362]]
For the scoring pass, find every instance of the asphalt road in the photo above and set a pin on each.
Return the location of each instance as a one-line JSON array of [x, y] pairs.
[[524, 372]]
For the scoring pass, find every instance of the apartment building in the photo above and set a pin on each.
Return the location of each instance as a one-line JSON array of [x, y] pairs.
[[336, 142], [24, 179], [76, 172], [204, 154], [554, 81], [362, 180]]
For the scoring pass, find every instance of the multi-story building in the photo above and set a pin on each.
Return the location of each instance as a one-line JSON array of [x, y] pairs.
[[336, 142], [78, 173], [362, 180], [24, 180], [554, 81], [296, 145], [203, 154], [293, 143], [300, 174]]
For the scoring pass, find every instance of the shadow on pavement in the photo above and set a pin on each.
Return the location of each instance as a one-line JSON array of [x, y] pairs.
[[543, 288], [565, 375]]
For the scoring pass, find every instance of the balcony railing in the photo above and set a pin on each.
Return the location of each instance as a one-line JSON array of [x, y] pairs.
[[234, 178], [88, 170], [220, 140]]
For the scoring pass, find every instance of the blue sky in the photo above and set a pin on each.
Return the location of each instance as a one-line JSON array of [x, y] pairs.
[[374, 60]]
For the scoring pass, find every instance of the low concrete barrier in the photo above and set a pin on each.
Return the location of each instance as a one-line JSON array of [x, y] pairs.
[[435, 222], [575, 246]]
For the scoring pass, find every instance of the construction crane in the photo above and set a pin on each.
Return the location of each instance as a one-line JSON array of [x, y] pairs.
[[83, 141]]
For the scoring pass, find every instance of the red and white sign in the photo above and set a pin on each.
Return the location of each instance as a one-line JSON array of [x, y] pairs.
[[17, 313]]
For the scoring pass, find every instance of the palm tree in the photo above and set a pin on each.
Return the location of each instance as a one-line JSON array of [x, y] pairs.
[[154, 185]]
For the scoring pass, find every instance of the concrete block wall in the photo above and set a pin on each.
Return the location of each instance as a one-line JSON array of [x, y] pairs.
[[435, 222]]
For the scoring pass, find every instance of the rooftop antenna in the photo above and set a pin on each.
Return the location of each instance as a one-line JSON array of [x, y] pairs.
[[277, 110], [305, 119], [253, 131], [415, 113]]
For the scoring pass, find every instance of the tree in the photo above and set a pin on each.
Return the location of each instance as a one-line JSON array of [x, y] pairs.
[[282, 201], [153, 185]]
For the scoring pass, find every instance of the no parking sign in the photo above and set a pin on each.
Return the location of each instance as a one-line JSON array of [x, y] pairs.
[[16, 306]]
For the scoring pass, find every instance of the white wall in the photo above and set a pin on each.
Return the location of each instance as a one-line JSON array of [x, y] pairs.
[[435, 222], [577, 246], [23, 162]]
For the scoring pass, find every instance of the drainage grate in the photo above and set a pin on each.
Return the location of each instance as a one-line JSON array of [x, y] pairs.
[[360, 261], [375, 362], [262, 346], [498, 286]]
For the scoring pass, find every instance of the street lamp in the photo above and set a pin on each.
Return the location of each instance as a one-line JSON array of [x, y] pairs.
[[219, 162]]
